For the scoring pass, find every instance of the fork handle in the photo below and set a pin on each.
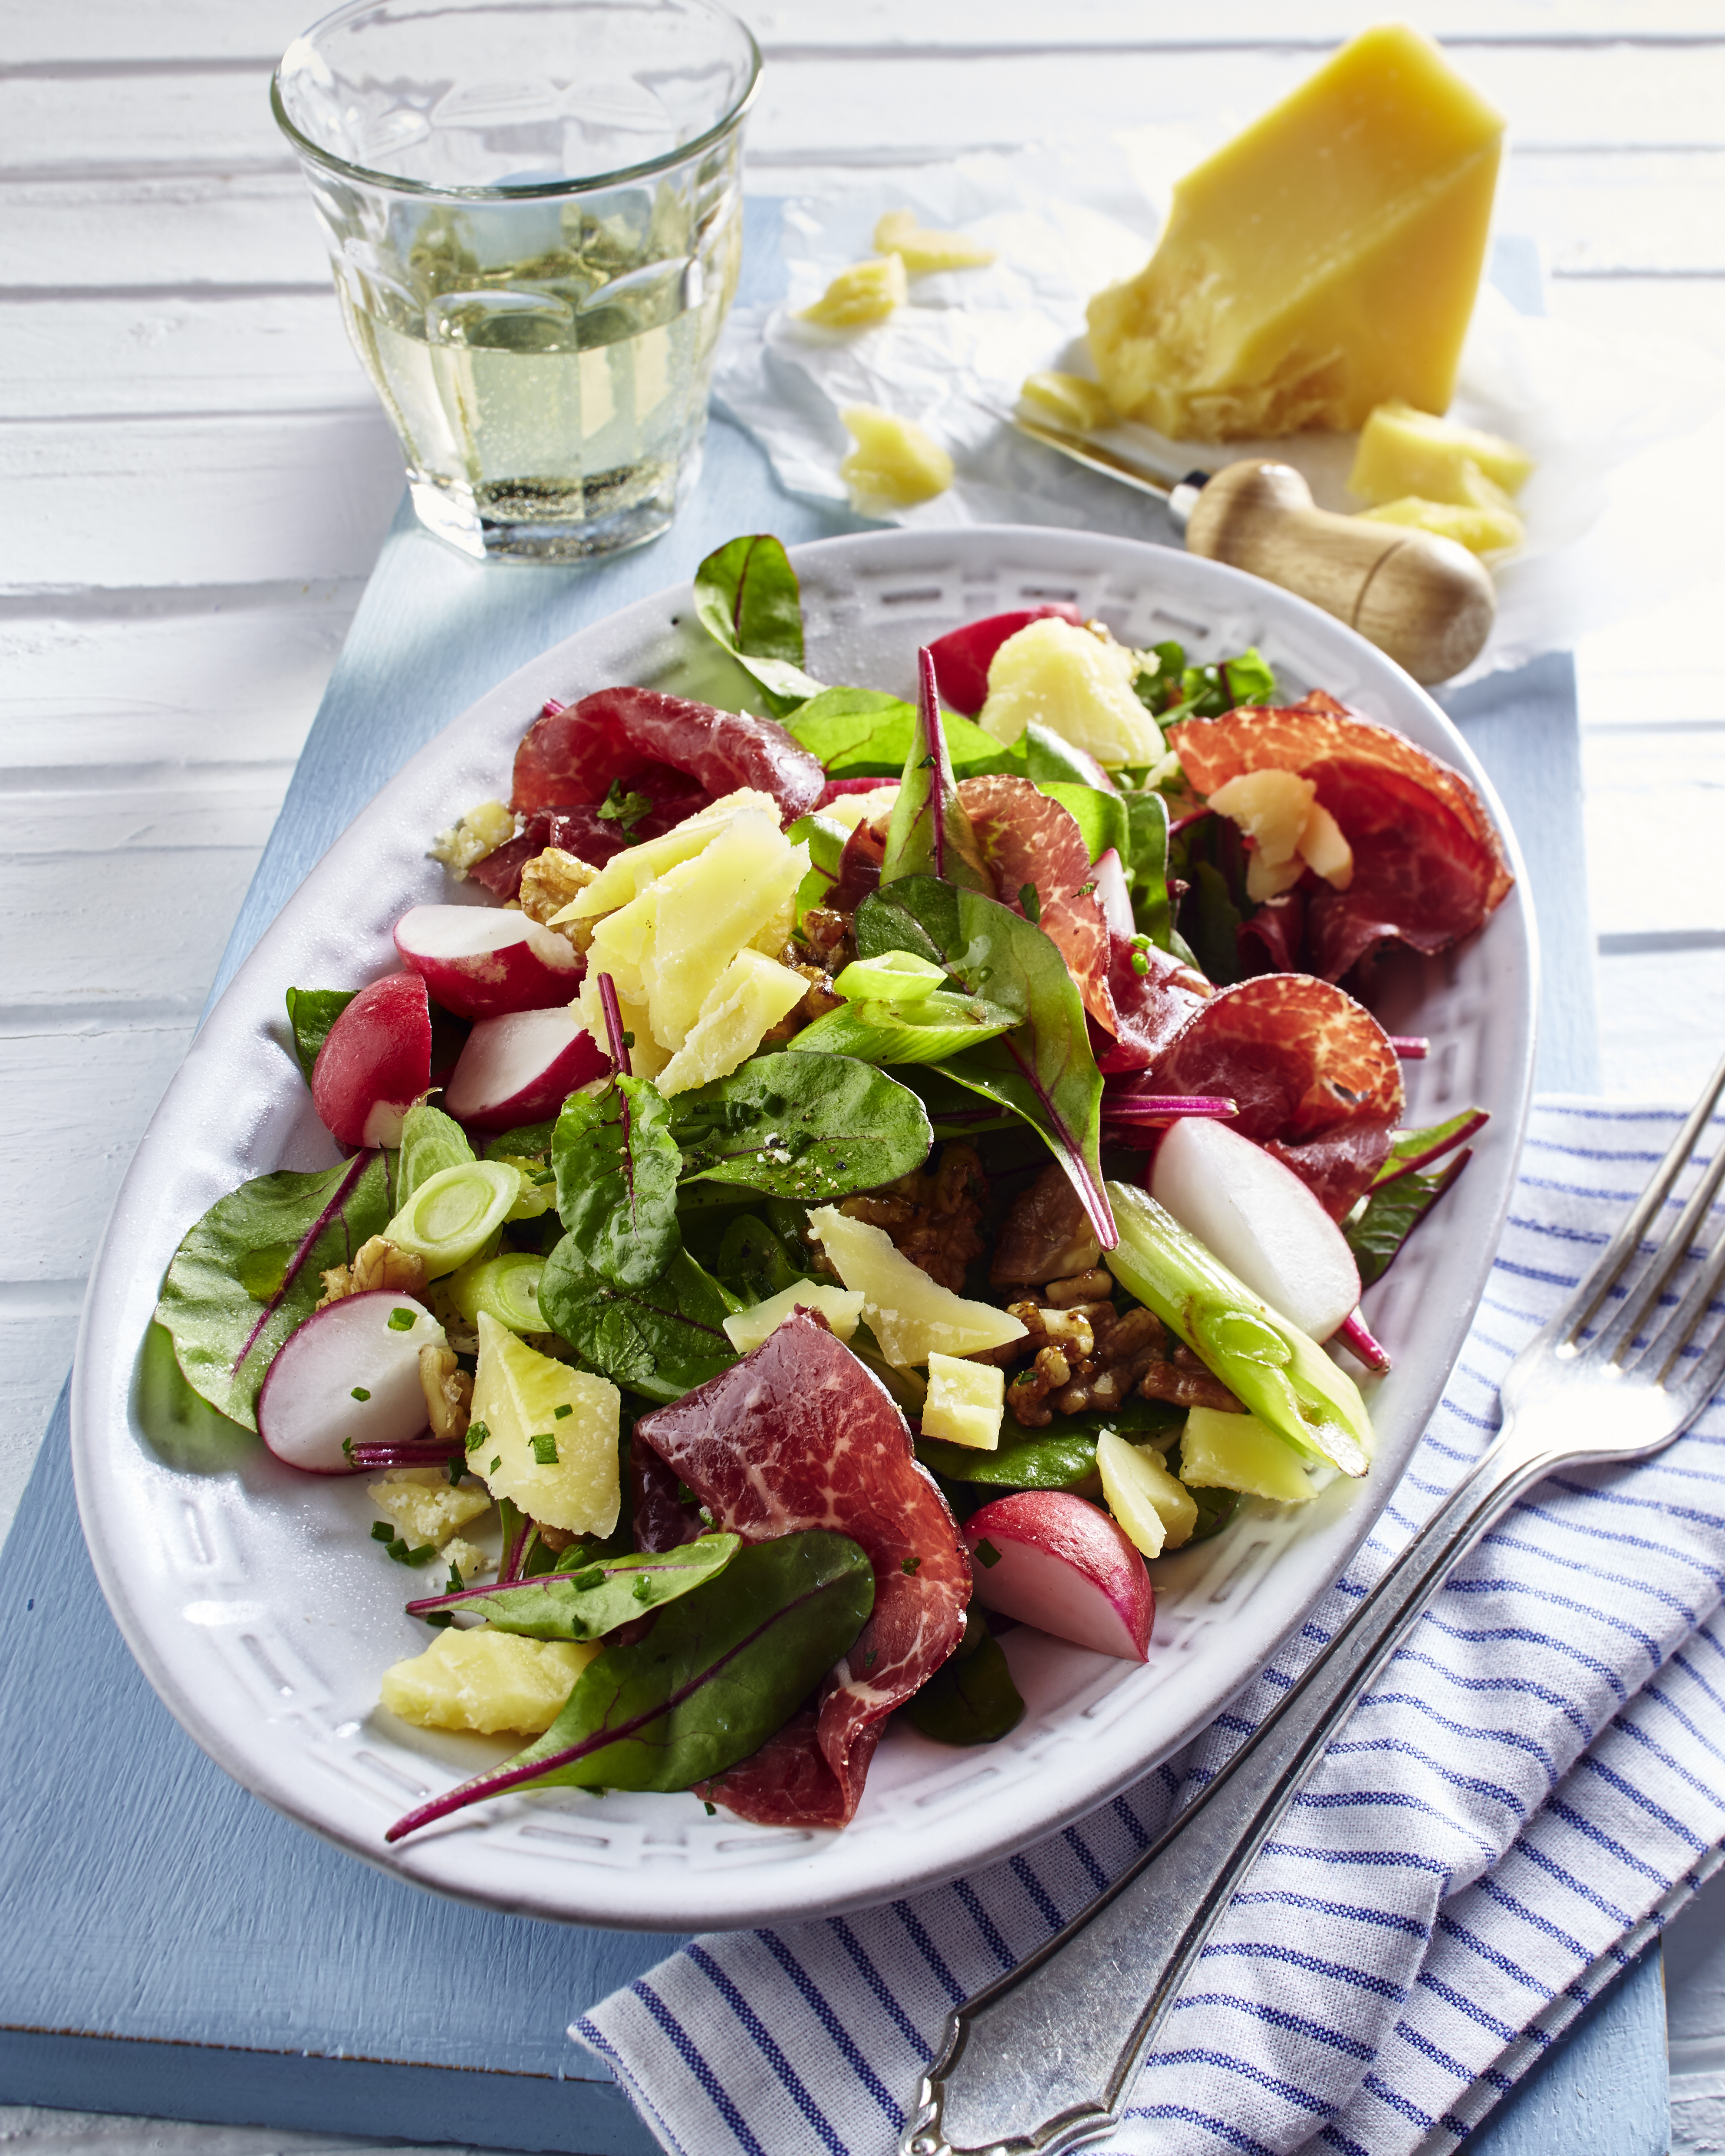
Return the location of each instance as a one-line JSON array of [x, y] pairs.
[[1038, 2062]]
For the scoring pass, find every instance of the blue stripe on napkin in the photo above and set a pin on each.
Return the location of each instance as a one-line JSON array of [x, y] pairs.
[[1533, 1787]]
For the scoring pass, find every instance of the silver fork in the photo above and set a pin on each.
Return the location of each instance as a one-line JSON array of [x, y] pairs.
[[1021, 2073]]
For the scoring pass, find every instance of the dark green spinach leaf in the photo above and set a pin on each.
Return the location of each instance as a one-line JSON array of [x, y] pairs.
[[311, 1012], [662, 1339], [249, 1272], [527, 1142], [1377, 1229], [748, 600], [971, 1699], [809, 1127], [617, 1167], [1062, 1456]]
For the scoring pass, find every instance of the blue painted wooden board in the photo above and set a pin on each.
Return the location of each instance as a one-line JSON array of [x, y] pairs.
[[169, 1946]]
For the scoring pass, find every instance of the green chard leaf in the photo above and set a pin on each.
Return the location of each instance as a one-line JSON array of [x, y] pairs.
[[1102, 817], [1145, 855], [1391, 1211], [617, 1166], [863, 733], [1062, 1456], [930, 834], [971, 1699], [1042, 1070], [311, 1012], [182, 1428], [715, 1674], [587, 1601], [662, 1339], [430, 1142], [1414, 1149], [527, 1142], [824, 836], [809, 1127], [251, 1270], [748, 600]]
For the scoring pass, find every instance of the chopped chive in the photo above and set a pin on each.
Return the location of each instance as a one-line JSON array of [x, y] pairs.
[[456, 1471], [643, 1587], [911, 1564], [545, 1449], [711, 1811], [401, 1321], [382, 1531], [558, 1413], [583, 1580], [872, 1656], [987, 1554], [360, 1393], [476, 1436], [496, 1462]]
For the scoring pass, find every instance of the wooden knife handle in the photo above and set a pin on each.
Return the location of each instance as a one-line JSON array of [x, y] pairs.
[[1426, 602]]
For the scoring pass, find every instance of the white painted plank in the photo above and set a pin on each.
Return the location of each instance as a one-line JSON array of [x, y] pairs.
[[1656, 812], [60, 358], [160, 809], [811, 110], [211, 228], [119, 30], [187, 502], [93, 943], [1661, 1023], [236, 678]]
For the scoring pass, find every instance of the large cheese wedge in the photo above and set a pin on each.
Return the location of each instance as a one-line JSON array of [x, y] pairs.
[[1324, 261]]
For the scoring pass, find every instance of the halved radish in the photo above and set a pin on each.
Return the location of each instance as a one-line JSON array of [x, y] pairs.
[[351, 1373], [483, 961], [1260, 1219], [521, 1068], [1055, 1561], [375, 1062]]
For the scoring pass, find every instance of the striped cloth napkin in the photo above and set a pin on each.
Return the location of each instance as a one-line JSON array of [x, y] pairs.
[[1533, 1787]]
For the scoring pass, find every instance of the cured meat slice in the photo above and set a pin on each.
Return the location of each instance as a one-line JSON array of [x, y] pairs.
[[1428, 864], [798, 1434], [1315, 1077], [1027, 839], [655, 744], [1150, 1007]]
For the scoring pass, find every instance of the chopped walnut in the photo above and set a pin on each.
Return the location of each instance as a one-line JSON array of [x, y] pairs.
[[551, 881], [376, 1264], [1045, 1235], [1096, 1285], [931, 1218], [556, 1538], [1182, 1380], [824, 930], [449, 1393], [818, 1000], [1085, 1357]]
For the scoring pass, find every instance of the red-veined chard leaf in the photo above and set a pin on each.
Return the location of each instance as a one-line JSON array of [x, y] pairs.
[[971, 1698], [594, 1598], [930, 834], [311, 1012], [617, 1167], [1391, 1212], [1417, 1149], [1043, 1070], [801, 1127], [663, 1339], [748, 600], [864, 733], [715, 1674], [251, 1270]]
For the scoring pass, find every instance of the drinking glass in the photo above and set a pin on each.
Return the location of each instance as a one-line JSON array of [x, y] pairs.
[[533, 211]]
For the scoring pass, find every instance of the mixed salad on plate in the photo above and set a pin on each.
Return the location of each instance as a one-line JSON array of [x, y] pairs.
[[870, 1175]]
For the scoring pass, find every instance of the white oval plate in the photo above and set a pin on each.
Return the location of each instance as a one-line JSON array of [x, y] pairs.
[[263, 1617]]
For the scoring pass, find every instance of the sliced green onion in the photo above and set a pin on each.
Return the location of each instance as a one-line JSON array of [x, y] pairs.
[[927, 1030], [1277, 1372], [506, 1288], [452, 1216], [899, 976]]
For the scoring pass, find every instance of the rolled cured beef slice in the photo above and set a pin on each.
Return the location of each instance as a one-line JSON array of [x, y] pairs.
[[799, 1435]]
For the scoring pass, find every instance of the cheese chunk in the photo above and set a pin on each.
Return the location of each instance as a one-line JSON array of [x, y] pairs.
[[1402, 451], [1324, 261], [486, 1680], [1222, 1451], [840, 1306], [966, 1402], [910, 1315], [1079, 686], [1482, 530], [894, 463], [923, 252], [865, 293], [1069, 400], [742, 1006]]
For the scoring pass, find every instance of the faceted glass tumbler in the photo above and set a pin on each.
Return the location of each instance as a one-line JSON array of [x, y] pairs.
[[533, 210]]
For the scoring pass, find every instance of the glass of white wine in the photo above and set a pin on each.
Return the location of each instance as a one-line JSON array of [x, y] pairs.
[[533, 210]]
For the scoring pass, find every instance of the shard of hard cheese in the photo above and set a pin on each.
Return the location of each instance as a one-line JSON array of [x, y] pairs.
[[1325, 260]]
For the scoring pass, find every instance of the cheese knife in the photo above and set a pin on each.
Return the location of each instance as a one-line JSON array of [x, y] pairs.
[[1426, 602]]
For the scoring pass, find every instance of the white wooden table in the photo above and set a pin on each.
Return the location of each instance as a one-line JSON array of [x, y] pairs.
[[195, 479]]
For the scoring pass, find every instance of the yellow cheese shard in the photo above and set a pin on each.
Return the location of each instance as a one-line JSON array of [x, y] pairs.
[[1402, 451], [1069, 400], [858, 297], [1220, 1451], [742, 1006], [1482, 531], [486, 1680], [1323, 262], [923, 252], [966, 1402], [894, 463]]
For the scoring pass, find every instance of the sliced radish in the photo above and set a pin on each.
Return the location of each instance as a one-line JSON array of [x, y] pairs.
[[1055, 1561], [1260, 1219], [521, 1068], [350, 1374], [483, 961], [1112, 895], [375, 1062]]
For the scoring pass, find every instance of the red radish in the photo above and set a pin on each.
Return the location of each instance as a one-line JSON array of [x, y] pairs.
[[375, 1062], [1056, 1562], [962, 656], [1260, 1219], [484, 961], [1112, 895], [351, 1373], [521, 1068]]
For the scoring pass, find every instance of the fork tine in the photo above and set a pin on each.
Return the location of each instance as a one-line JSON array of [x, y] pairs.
[[1616, 1336], [1608, 1268], [1659, 1359], [1694, 1388]]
